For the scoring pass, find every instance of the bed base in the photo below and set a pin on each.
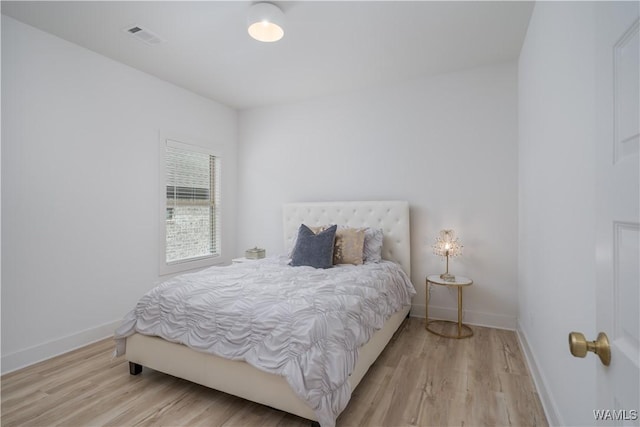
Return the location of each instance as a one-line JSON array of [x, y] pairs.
[[239, 378]]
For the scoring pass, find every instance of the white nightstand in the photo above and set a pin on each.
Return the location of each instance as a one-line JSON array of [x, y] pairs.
[[464, 331]]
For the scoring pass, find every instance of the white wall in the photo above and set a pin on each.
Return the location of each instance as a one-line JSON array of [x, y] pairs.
[[80, 188], [447, 144], [557, 204]]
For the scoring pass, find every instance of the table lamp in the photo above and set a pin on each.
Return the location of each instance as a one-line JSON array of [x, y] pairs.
[[447, 246]]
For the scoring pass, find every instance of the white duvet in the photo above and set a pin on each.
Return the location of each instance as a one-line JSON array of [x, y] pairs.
[[303, 323]]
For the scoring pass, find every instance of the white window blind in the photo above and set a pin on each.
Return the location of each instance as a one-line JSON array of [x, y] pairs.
[[192, 204]]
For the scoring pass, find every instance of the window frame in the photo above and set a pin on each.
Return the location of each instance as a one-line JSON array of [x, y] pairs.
[[166, 268]]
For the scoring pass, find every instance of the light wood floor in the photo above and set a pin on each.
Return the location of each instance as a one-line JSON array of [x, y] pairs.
[[420, 380]]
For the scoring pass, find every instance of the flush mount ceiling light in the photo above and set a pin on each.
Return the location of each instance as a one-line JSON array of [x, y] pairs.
[[266, 22]]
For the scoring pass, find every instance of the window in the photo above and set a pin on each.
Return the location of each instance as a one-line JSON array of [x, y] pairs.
[[192, 206]]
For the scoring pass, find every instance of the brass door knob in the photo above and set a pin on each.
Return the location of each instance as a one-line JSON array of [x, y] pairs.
[[579, 346]]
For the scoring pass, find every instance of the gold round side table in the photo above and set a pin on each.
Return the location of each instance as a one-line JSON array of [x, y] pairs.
[[464, 331]]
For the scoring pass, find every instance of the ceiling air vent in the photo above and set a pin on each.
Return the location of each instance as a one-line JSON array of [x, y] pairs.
[[144, 35]]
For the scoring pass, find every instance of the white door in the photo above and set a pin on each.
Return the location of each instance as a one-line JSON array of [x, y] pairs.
[[618, 213]]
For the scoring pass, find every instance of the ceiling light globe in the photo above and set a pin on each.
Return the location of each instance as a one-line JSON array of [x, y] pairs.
[[265, 22]]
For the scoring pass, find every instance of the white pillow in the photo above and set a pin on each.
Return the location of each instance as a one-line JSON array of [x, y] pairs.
[[372, 251]]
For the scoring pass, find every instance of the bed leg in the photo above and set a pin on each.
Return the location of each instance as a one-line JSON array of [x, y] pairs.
[[134, 368]]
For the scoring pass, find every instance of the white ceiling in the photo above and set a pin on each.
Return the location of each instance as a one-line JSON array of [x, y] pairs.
[[329, 46]]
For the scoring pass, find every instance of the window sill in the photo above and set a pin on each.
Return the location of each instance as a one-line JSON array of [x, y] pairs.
[[185, 266]]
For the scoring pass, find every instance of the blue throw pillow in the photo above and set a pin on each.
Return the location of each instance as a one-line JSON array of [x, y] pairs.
[[314, 250]]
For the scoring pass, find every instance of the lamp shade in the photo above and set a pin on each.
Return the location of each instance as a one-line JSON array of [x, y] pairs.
[[265, 22], [447, 244]]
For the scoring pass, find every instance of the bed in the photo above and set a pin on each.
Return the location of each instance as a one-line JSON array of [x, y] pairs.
[[237, 377]]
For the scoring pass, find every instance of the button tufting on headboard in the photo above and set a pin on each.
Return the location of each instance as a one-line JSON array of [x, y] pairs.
[[391, 216]]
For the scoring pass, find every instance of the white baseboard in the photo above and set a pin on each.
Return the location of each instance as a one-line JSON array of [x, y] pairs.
[[550, 409], [490, 320], [29, 356]]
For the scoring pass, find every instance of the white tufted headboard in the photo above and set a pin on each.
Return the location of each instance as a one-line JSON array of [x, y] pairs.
[[392, 217]]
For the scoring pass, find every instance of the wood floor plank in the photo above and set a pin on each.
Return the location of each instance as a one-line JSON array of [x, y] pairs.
[[420, 379], [221, 407], [365, 397], [32, 415]]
